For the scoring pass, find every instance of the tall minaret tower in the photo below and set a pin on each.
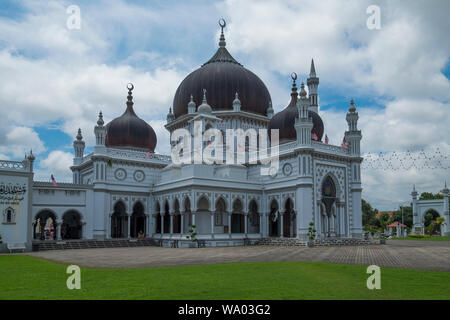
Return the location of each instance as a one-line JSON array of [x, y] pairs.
[[100, 131], [353, 138], [313, 84], [303, 124], [78, 146]]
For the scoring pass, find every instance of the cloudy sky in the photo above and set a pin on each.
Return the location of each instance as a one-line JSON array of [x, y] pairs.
[[54, 80]]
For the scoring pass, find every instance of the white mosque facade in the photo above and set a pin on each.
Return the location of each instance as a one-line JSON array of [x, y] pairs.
[[124, 190]]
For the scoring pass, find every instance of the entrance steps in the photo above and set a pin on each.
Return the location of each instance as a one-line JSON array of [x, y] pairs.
[[92, 244], [317, 242]]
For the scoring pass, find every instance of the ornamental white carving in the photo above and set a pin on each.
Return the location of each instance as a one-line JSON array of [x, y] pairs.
[[120, 174], [139, 175]]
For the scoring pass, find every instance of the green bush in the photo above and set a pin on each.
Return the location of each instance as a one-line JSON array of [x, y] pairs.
[[418, 236]]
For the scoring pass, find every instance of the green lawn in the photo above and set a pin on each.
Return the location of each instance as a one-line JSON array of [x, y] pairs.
[[23, 277], [425, 238]]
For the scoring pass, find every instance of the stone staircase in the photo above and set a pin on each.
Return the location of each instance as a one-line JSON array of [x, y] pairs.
[[318, 242], [92, 244]]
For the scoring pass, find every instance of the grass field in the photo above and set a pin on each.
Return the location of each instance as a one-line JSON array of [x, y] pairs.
[[23, 277], [424, 239]]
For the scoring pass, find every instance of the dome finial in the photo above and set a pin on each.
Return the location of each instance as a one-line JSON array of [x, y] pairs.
[[100, 121], [130, 88], [302, 90], [79, 136], [294, 85], [204, 107], [352, 106], [222, 24]]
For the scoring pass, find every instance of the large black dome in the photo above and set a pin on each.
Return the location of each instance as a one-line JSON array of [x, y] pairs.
[[129, 130], [285, 121], [222, 76]]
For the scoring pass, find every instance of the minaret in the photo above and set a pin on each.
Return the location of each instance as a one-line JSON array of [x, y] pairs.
[[353, 135], [303, 124], [313, 84], [78, 146], [417, 225], [270, 111], [236, 103], [191, 105], [100, 131], [353, 139], [170, 116]]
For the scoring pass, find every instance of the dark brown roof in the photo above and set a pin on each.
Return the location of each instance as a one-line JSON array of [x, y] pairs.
[[129, 130], [222, 76], [285, 121]]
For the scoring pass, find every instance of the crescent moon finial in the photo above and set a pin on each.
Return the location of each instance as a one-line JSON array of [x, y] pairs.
[[222, 23], [294, 76], [130, 86]]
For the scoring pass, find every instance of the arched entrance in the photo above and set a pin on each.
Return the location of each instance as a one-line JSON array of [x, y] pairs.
[[288, 219], [166, 218], [253, 218], [328, 212], [138, 219], [119, 221], [187, 214], [45, 226], [158, 218], [429, 218], [237, 218], [71, 227], [176, 217], [274, 217]]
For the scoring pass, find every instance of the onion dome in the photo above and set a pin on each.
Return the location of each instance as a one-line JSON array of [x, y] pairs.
[[285, 119], [129, 130], [222, 76]]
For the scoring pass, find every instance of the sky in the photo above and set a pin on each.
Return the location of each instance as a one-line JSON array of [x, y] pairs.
[[54, 80]]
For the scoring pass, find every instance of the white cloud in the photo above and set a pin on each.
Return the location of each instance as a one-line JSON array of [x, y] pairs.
[[57, 163]]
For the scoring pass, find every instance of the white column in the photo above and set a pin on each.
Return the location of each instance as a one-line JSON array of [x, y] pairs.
[[212, 223], [182, 223], [246, 223], [58, 230], [171, 223], [229, 224], [128, 225], [193, 218], [261, 224], [281, 225], [162, 223], [108, 226]]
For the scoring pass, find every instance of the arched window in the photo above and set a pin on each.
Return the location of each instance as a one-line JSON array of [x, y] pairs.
[[220, 210], [9, 216]]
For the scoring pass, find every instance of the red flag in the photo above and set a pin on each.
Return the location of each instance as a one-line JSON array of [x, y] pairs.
[[240, 149], [344, 144], [53, 180], [148, 155], [315, 136], [326, 139]]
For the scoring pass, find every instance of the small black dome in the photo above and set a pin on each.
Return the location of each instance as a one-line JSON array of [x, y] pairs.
[[129, 130], [222, 76], [285, 121]]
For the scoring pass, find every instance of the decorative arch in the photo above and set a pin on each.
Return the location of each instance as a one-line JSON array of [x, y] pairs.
[[221, 209], [138, 226], [177, 216], [337, 186], [203, 203], [158, 217], [119, 220], [9, 215], [45, 225], [166, 217], [237, 217], [289, 218], [253, 217], [72, 225], [274, 218]]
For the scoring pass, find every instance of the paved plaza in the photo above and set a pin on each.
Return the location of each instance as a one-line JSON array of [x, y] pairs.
[[421, 255]]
